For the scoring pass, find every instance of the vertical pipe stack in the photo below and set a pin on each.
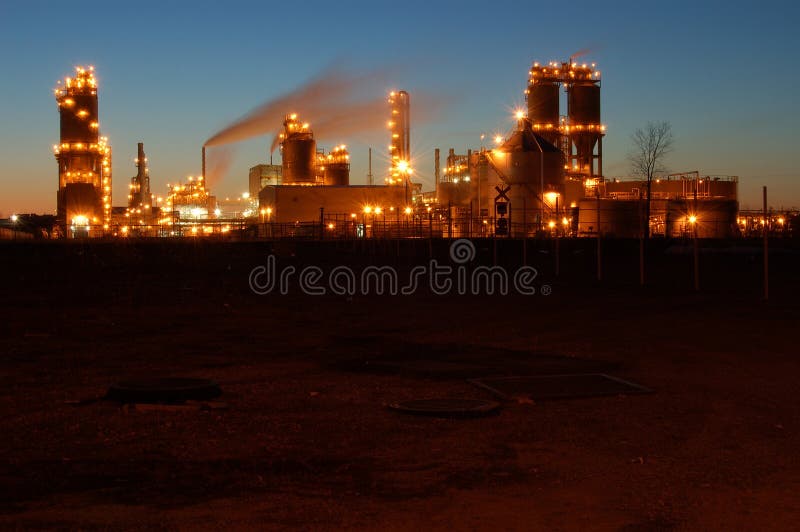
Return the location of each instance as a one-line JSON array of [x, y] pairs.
[[436, 167], [140, 197], [400, 147]]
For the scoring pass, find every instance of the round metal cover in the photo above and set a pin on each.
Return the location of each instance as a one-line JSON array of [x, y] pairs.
[[163, 390], [448, 407]]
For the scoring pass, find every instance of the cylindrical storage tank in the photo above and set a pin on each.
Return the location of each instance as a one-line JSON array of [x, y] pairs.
[[543, 103], [336, 174], [584, 104], [299, 154], [723, 188], [618, 218], [523, 158], [715, 218], [453, 194]]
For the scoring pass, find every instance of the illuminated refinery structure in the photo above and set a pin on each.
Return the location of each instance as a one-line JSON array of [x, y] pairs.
[[190, 201], [580, 133], [400, 146], [139, 196], [312, 182], [298, 152], [303, 164], [335, 166], [84, 159], [525, 165], [544, 176], [550, 169]]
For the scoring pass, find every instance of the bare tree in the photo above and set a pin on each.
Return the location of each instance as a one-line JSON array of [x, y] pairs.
[[651, 145]]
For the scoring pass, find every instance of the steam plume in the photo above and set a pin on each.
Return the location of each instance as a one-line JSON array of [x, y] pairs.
[[332, 94], [584, 51], [218, 160], [337, 103]]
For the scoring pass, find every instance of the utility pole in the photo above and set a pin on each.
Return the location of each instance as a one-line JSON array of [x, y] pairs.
[[436, 168], [599, 239]]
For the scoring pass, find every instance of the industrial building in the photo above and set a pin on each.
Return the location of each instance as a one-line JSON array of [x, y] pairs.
[[84, 159], [679, 202], [313, 185], [546, 176], [543, 177], [262, 175], [189, 201]]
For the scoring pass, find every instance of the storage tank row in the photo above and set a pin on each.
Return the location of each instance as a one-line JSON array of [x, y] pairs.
[[672, 218]]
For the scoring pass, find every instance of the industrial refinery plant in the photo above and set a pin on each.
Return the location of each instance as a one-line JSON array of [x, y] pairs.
[[546, 176], [542, 178]]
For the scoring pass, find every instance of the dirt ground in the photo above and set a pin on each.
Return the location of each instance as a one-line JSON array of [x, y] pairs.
[[307, 441]]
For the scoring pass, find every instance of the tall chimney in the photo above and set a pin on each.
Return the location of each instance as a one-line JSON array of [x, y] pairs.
[[204, 164], [436, 166], [141, 171]]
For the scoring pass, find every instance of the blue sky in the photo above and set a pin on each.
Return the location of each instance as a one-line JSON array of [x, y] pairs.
[[173, 73]]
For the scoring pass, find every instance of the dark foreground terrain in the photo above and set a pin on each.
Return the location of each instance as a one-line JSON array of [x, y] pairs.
[[306, 440]]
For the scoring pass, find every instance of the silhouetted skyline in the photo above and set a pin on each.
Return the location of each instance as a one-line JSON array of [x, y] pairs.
[[170, 76]]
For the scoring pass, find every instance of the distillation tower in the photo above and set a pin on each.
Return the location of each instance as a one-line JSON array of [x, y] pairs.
[[139, 197], [84, 159]]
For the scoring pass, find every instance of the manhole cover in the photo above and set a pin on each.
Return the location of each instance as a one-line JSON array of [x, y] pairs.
[[559, 386], [163, 390], [447, 407]]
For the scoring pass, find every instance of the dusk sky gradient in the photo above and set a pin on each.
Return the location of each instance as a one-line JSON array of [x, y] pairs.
[[171, 74]]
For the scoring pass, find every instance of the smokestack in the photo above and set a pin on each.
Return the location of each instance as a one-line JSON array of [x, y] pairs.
[[203, 171], [436, 166], [143, 177]]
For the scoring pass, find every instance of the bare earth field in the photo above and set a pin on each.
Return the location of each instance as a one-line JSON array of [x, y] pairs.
[[307, 442]]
